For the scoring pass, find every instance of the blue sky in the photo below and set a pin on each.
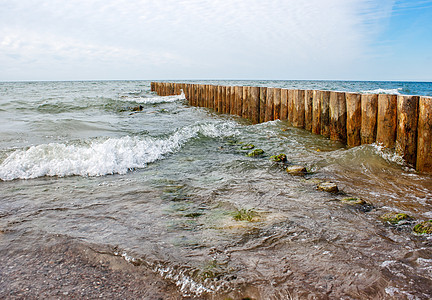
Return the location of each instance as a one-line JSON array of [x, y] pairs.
[[218, 39]]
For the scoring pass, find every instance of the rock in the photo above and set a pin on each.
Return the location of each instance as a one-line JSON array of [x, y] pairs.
[[395, 218], [256, 152], [353, 201], [279, 158], [328, 187], [424, 227], [296, 170], [137, 108]]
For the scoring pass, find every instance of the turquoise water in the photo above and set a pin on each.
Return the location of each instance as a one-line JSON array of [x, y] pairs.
[[163, 185]]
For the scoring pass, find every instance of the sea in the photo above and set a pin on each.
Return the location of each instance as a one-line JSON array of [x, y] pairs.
[[170, 188]]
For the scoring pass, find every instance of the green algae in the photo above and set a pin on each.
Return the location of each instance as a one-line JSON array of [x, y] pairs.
[[243, 214], [279, 158], [256, 152], [424, 227], [395, 218]]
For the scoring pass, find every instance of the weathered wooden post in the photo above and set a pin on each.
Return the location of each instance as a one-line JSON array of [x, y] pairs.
[[245, 112], [424, 143], [353, 122], [316, 112], [284, 104], [239, 100], [369, 108], [227, 100], [277, 103], [406, 134], [338, 117], [299, 109], [308, 103], [254, 104], [213, 91], [269, 110], [263, 103], [152, 86], [218, 98], [387, 120], [291, 110], [189, 93], [231, 100]]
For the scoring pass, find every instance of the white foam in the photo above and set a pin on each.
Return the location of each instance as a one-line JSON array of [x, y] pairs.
[[158, 99], [102, 156], [384, 91], [388, 154]]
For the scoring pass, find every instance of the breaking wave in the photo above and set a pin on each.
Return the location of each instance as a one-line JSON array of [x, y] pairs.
[[396, 91], [102, 156], [157, 99]]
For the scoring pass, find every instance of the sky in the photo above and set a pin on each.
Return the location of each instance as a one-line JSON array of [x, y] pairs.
[[216, 39]]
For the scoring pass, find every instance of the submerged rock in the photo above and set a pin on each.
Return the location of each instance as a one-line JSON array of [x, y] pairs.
[[279, 158], [424, 227], [256, 152], [296, 170], [137, 108], [358, 203], [395, 218], [328, 186], [353, 201]]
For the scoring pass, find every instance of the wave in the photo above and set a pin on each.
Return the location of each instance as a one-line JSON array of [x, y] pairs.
[[102, 156], [156, 100], [396, 91]]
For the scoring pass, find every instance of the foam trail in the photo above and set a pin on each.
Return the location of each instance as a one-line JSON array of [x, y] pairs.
[[102, 157], [158, 99], [384, 91]]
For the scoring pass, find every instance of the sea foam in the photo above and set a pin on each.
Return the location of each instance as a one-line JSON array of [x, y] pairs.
[[396, 91], [156, 100], [102, 156]]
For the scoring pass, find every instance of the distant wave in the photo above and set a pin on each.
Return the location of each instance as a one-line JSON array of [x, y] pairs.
[[102, 157], [384, 91], [155, 100]]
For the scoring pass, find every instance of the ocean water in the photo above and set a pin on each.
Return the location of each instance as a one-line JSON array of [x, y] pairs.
[[164, 187]]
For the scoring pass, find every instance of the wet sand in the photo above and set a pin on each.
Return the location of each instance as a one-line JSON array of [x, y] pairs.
[[62, 268]]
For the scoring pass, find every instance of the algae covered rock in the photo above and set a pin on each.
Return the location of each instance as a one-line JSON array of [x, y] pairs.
[[256, 152], [424, 227], [296, 170], [353, 201], [248, 215], [395, 218], [279, 158], [328, 186]]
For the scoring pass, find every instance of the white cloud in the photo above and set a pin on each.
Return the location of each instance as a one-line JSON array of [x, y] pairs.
[[187, 38]]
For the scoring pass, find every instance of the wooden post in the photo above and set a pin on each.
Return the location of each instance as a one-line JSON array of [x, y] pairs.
[[424, 143], [152, 86], [406, 135], [227, 99], [316, 112], [353, 125], [338, 117], [284, 104], [263, 103], [387, 121], [298, 109], [245, 106], [239, 100], [254, 104], [189, 93], [269, 105], [291, 96], [277, 103], [308, 103], [369, 108], [232, 100]]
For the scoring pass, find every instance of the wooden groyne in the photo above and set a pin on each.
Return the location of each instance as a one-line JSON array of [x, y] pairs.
[[395, 121]]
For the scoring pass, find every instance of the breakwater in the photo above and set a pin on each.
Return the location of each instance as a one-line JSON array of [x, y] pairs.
[[396, 121]]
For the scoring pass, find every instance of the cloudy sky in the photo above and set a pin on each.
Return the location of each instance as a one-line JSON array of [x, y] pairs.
[[216, 39]]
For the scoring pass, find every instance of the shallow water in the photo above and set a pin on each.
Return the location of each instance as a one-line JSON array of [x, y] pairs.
[[161, 187]]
